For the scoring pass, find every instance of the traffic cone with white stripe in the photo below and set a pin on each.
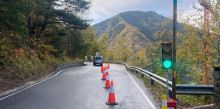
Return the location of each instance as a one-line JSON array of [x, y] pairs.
[[111, 97], [105, 67], [107, 73], [107, 82], [102, 69], [164, 103], [104, 75], [108, 65]]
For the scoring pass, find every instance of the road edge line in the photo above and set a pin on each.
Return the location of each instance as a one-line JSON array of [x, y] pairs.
[[146, 98], [38, 82]]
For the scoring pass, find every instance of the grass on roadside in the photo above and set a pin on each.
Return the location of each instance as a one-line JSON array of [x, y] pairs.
[[24, 69]]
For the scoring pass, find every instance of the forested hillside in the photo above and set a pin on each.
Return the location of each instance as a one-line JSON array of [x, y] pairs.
[[136, 27], [147, 23], [38, 35], [136, 37]]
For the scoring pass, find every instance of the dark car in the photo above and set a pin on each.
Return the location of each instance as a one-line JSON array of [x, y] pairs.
[[98, 60]]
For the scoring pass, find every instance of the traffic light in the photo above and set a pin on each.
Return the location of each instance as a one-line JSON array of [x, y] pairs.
[[166, 55]]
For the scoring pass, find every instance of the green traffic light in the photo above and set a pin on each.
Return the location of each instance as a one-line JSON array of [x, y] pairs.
[[167, 64]]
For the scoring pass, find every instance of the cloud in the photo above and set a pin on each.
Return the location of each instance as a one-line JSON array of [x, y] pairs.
[[103, 9]]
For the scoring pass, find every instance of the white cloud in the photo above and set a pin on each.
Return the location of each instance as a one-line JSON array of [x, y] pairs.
[[103, 9], [191, 15]]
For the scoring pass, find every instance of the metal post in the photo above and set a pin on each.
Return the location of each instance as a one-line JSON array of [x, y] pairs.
[[167, 82], [142, 75], [216, 75], [174, 49], [153, 69], [152, 81]]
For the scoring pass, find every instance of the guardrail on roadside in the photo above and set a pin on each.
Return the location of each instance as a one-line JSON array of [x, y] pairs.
[[180, 88]]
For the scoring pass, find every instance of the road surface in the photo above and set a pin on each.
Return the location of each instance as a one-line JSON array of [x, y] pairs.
[[82, 88]]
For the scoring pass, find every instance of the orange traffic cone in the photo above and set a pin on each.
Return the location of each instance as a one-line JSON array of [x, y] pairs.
[[108, 65], [107, 82], [111, 97], [104, 76], [105, 67], [102, 69], [107, 73]]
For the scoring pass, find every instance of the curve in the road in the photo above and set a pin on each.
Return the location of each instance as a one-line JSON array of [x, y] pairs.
[[82, 88]]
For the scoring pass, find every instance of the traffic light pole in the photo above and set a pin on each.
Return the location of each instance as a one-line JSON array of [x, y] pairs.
[[167, 83], [174, 49]]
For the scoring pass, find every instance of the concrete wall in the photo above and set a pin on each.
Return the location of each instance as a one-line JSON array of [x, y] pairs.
[[69, 65]]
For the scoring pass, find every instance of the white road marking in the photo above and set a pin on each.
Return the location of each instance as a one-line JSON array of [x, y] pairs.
[[148, 100], [32, 85]]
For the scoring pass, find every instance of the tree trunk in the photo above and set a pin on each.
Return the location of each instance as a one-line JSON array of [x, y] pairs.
[[44, 25]]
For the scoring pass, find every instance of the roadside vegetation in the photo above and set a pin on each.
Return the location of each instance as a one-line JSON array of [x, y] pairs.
[[38, 35], [183, 101]]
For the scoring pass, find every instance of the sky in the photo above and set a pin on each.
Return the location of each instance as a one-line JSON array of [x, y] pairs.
[[101, 10]]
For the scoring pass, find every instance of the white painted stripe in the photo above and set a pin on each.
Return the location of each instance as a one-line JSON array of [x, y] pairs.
[[32, 85], [148, 100]]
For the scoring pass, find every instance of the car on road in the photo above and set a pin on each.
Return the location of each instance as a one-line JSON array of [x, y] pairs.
[[98, 60]]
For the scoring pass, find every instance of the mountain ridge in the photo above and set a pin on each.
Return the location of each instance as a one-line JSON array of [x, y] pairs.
[[137, 26]]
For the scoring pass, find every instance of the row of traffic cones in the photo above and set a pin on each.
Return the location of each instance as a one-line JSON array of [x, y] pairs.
[[104, 67], [106, 77]]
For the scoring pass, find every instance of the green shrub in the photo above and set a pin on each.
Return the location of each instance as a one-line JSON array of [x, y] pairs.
[[25, 69]]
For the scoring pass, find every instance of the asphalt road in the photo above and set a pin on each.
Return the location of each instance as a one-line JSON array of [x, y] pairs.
[[82, 88]]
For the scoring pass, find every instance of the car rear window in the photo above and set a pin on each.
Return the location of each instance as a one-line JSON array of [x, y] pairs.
[[98, 58]]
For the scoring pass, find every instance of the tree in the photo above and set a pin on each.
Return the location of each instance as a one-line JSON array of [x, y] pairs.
[[39, 26], [140, 59], [90, 41], [103, 45]]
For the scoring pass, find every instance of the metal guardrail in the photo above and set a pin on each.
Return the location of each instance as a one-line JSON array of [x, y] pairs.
[[194, 89], [180, 88]]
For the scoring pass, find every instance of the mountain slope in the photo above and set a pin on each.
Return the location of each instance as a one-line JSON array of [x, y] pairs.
[[138, 26]]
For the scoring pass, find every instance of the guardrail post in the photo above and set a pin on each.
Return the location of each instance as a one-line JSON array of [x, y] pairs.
[[216, 76], [131, 70], [142, 75], [152, 81]]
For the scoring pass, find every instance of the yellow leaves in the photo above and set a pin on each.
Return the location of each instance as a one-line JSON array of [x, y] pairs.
[[188, 75], [162, 23], [4, 53], [162, 33], [44, 50], [141, 58], [3, 47]]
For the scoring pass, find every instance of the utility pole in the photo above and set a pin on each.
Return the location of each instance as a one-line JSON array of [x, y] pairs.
[[174, 49]]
